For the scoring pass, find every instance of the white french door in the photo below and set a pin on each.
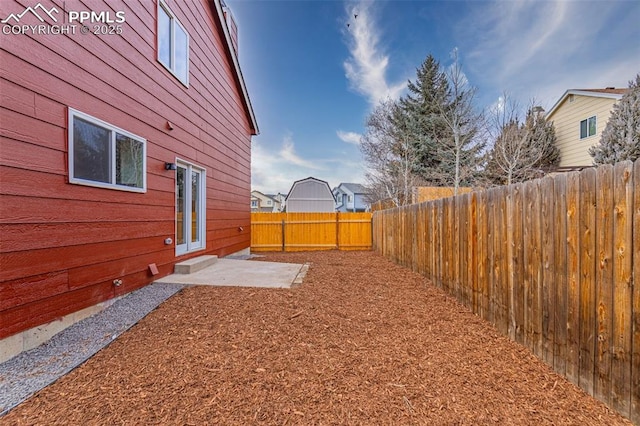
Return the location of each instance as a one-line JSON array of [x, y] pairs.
[[190, 208]]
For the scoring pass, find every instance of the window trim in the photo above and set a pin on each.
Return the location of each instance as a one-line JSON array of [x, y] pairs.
[[113, 130], [587, 120], [173, 21]]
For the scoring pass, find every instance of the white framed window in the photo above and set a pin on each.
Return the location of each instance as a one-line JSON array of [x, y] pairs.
[[106, 156], [269, 203], [588, 127], [350, 198], [173, 44], [254, 204]]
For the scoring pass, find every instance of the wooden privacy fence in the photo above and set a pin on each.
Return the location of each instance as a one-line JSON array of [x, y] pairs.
[[550, 262], [310, 231]]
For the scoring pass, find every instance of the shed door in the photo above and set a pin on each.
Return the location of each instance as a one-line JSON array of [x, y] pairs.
[[190, 208]]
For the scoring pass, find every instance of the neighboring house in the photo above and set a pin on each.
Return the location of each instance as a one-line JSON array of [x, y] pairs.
[[579, 117], [310, 195], [122, 154], [264, 203], [350, 197], [280, 198]]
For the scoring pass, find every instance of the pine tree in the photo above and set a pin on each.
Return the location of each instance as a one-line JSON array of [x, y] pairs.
[[422, 107], [621, 137]]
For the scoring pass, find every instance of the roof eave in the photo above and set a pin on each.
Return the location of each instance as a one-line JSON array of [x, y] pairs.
[[581, 93], [238, 72]]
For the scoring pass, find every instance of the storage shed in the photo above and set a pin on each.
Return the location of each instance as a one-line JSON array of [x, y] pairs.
[[310, 195]]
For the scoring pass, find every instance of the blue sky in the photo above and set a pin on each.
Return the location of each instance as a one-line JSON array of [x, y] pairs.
[[313, 80]]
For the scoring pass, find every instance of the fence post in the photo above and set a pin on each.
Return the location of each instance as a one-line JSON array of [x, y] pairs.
[[283, 234], [337, 231]]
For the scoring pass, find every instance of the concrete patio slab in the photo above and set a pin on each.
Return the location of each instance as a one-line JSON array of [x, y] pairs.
[[242, 273]]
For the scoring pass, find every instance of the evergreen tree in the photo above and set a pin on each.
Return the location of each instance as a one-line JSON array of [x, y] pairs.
[[422, 107], [621, 137]]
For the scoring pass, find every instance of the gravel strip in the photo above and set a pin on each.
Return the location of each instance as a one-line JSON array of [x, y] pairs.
[[30, 371]]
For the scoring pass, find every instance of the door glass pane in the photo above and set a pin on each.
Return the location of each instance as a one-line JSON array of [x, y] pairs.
[[129, 161], [91, 151], [195, 206], [181, 217]]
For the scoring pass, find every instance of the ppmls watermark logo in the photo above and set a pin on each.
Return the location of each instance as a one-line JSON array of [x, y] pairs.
[[54, 21]]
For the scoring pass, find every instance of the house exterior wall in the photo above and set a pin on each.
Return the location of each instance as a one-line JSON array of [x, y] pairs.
[[360, 203], [265, 204], [310, 196], [566, 120], [64, 244]]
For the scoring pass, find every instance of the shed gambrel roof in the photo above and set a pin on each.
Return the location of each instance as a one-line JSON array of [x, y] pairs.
[[609, 92], [219, 5], [309, 179]]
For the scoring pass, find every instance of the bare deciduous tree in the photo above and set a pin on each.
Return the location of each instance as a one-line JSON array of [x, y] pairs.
[[521, 150], [390, 156], [460, 149]]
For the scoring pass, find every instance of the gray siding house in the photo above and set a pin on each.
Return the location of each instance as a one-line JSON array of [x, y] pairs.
[[310, 195], [350, 197]]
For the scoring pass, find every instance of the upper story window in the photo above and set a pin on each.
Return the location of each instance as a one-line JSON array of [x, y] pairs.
[[254, 204], [350, 198], [588, 127], [173, 44], [104, 155], [269, 202]]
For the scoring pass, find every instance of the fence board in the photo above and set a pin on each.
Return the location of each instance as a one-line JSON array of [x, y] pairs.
[[491, 244], [548, 290], [573, 278], [467, 260], [447, 259], [588, 307], [560, 273], [622, 270], [604, 278], [473, 250], [457, 219], [439, 213], [483, 259], [635, 350], [516, 307], [533, 262], [500, 281]]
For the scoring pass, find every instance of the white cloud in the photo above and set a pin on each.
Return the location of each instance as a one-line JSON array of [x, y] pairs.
[[349, 137], [289, 155], [275, 170], [539, 49], [366, 68]]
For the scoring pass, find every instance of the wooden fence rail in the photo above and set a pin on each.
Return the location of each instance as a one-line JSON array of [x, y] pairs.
[[310, 231], [550, 262]]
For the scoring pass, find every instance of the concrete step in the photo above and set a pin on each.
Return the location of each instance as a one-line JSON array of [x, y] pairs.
[[195, 264]]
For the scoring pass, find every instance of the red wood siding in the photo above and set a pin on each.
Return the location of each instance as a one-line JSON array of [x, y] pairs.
[[62, 245]]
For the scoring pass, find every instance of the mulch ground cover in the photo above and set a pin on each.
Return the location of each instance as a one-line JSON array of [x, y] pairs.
[[361, 341]]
